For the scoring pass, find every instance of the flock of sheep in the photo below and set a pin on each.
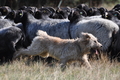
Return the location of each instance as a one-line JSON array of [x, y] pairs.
[[18, 28]]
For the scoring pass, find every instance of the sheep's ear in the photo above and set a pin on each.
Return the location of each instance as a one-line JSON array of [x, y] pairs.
[[85, 36]]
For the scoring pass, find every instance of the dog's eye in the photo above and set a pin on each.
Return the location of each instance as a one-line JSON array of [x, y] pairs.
[[95, 41]]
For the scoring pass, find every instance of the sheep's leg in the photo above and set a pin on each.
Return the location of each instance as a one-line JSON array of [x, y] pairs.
[[11, 46], [12, 50]]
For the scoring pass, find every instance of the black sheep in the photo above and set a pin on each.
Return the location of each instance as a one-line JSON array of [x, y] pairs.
[[115, 48], [11, 39]]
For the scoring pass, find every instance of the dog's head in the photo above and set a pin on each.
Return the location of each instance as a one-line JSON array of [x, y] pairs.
[[90, 42]]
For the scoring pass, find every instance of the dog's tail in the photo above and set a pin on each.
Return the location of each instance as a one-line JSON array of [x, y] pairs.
[[41, 33]]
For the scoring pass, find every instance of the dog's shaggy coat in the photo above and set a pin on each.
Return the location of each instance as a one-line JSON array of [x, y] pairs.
[[64, 50]]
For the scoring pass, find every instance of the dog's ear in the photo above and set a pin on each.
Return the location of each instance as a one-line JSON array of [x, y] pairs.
[[85, 36]]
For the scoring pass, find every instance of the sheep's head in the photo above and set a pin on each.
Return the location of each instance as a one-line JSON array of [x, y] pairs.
[[11, 15], [76, 15], [19, 16], [5, 10]]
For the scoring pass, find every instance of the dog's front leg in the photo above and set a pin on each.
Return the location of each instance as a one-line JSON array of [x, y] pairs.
[[86, 62]]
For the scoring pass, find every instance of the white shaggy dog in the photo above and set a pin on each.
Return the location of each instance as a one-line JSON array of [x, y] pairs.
[[64, 50]]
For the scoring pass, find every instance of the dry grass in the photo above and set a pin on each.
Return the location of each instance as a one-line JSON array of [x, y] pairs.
[[101, 70]]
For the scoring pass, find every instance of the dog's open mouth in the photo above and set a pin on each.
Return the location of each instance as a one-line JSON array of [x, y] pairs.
[[95, 51]]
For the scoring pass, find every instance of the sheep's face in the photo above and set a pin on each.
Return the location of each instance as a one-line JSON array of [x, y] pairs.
[[38, 15], [18, 17], [11, 15], [107, 15], [5, 10]]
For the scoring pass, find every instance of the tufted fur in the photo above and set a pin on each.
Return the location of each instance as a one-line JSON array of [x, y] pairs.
[[63, 50]]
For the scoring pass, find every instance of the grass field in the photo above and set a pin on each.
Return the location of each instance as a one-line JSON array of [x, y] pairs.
[[101, 70]]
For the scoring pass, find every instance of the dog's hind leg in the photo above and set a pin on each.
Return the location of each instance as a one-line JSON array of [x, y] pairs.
[[29, 51], [63, 64]]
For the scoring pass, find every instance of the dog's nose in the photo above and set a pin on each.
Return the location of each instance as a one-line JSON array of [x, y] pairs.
[[101, 46]]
